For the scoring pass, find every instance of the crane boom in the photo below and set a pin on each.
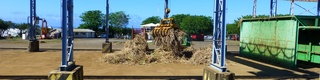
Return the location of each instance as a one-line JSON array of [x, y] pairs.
[[166, 9]]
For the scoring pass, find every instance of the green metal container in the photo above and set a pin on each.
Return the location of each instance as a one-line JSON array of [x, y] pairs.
[[281, 40], [186, 41]]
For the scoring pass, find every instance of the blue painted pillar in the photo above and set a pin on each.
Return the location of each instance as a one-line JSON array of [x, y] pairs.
[[166, 15], [223, 36], [219, 39], [318, 8], [32, 17], [107, 21], [30, 23], [292, 8], [63, 66], [215, 30], [70, 29], [271, 8]]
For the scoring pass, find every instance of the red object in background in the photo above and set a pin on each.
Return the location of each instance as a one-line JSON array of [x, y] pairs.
[[234, 37], [139, 31], [197, 37]]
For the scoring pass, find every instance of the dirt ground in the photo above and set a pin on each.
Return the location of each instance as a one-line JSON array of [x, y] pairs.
[[21, 62]]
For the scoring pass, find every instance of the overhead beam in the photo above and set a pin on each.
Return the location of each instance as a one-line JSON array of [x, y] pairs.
[[304, 0]]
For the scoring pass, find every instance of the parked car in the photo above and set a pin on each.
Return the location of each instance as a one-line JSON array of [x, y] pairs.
[[197, 37], [102, 36], [235, 37], [208, 37]]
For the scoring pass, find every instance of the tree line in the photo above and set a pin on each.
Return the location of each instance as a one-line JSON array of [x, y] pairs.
[[96, 20], [191, 24]]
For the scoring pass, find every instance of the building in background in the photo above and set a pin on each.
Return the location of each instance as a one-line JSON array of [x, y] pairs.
[[148, 28], [77, 33]]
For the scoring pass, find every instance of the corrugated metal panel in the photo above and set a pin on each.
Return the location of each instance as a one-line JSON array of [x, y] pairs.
[[269, 40], [281, 40]]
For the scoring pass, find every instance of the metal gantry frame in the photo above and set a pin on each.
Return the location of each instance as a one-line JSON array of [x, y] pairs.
[[292, 8], [64, 64], [293, 3], [318, 8], [32, 23], [166, 15], [254, 12], [273, 8], [67, 35], [70, 30], [107, 21], [219, 38]]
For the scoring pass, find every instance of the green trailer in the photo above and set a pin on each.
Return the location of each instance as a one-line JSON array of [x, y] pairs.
[[281, 40]]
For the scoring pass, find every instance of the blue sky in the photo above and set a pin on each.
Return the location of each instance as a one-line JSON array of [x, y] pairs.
[[18, 10]]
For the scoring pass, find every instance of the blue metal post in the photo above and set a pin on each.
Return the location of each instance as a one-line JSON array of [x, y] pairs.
[[219, 40], [30, 23], [275, 7], [35, 18], [271, 8], [63, 66], [292, 8], [215, 31], [318, 8], [107, 21], [275, 4], [166, 15], [31, 33], [70, 30], [223, 36], [254, 12]]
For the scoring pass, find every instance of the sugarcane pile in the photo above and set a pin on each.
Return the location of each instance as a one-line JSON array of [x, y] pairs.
[[136, 51]]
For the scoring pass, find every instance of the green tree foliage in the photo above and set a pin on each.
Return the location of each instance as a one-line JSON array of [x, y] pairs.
[[95, 20], [179, 17], [127, 31], [118, 22], [234, 28], [92, 20], [152, 19], [194, 24], [119, 19]]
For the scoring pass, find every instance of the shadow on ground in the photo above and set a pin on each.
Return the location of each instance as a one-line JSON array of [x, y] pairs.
[[271, 72]]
